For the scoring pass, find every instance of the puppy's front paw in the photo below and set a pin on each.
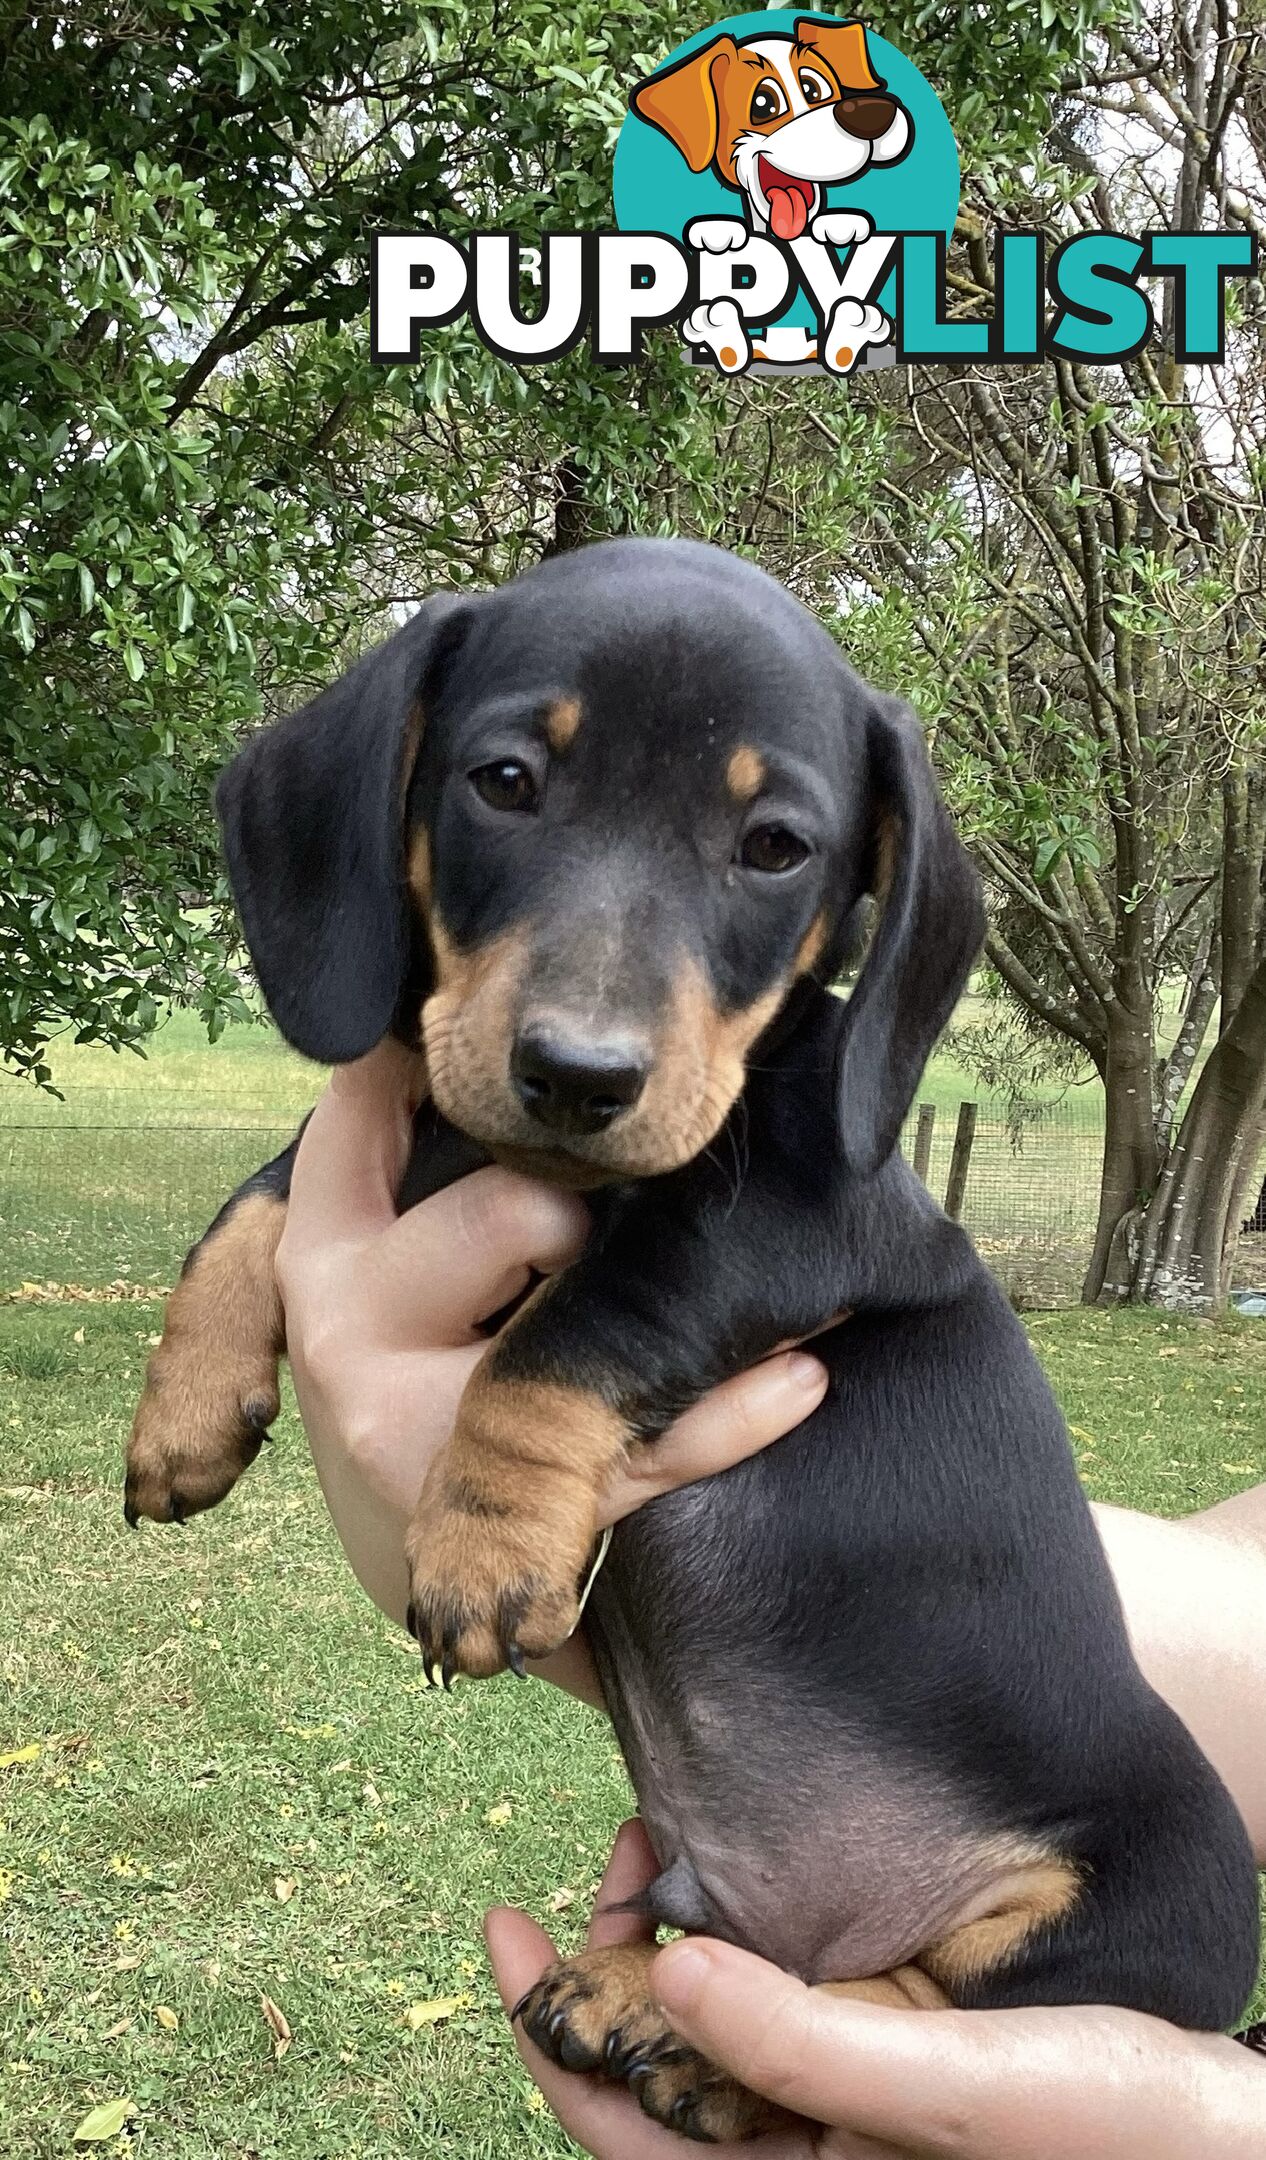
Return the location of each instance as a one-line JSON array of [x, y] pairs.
[[841, 228], [198, 1425], [211, 1385], [717, 235], [504, 1530]]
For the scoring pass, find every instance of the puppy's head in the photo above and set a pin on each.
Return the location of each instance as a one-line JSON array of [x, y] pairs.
[[582, 838], [780, 118]]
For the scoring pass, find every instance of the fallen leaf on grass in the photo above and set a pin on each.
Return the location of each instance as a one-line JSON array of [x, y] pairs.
[[20, 1755], [419, 2014], [498, 1815], [1239, 1469], [166, 2018], [104, 2122], [118, 2029], [284, 1889], [561, 1900], [282, 2035]]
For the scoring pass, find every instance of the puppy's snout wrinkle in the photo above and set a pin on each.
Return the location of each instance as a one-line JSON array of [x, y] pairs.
[[573, 1085], [868, 114]]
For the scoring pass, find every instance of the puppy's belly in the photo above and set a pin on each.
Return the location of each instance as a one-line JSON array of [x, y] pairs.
[[826, 1854]]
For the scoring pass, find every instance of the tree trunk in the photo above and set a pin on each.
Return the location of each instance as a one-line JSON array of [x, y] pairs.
[[1131, 1158], [1185, 1235]]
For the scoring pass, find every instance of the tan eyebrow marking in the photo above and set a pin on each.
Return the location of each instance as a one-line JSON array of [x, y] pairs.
[[745, 773], [561, 723]]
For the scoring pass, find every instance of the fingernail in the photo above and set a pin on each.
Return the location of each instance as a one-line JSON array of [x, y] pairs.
[[678, 1974], [804, 1370]]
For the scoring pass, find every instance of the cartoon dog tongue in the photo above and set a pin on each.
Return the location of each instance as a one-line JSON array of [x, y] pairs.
[[788, 200]]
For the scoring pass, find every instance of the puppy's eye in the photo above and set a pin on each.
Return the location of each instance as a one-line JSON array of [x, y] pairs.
[[767, 101], [773, 850], [815, 89], [506, 785]]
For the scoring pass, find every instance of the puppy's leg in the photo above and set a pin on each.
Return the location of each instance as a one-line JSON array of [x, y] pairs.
[[599, 1359], [211, 1388]]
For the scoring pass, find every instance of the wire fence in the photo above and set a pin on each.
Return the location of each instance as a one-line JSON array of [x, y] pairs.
[[91, 1198]]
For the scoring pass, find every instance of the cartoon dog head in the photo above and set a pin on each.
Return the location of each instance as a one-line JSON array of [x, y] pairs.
[[779, 118]]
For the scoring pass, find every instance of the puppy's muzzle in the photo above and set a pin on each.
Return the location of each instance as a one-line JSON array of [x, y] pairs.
[[576, 1087], [868, 114]]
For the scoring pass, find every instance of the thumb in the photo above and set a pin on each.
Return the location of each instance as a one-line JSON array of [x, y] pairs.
[[1000, 2085], [904, 2075]]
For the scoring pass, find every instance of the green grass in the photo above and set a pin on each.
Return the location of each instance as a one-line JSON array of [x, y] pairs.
[[220, 1716]]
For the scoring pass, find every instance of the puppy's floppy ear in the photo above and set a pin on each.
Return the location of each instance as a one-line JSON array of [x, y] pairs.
[[931, 928], [682, 101], [312, 812], [843, 47]]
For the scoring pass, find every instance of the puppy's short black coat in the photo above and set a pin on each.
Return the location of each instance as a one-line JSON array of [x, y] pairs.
[[596, 843]]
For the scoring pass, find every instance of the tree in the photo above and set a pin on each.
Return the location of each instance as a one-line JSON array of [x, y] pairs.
[[1066, 568], [200, 461]]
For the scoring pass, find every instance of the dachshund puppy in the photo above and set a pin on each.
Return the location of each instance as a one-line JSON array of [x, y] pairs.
[[596, 843]]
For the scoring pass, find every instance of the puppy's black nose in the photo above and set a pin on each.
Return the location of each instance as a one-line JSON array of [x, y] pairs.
[[865, 113], [574, 1086]]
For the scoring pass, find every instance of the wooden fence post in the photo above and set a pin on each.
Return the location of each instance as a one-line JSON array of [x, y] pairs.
[[956, 1183], [923, 1140]]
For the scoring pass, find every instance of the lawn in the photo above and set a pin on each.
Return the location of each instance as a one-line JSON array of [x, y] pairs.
[[230, 1785]]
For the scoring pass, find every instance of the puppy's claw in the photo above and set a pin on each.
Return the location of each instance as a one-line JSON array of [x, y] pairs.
[[131, 1515], [516, 1661]]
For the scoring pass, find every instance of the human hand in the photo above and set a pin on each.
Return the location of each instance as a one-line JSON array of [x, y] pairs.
[[382, 1325], [896, 2084]]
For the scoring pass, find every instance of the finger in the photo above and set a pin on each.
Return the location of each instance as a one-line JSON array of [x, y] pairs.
[[631, 1867], [473, 1247], [737, 1419], [354, 1149], [603, 2119]]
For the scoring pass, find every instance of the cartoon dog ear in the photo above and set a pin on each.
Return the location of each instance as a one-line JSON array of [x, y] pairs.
[[683, 102], [312, 813], [844, 49], [931, 928]]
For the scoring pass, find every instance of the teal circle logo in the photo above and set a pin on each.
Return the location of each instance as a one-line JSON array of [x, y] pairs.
[[806, 131]]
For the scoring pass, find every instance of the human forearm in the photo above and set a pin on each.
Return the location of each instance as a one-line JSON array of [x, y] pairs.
[[1194, 1594]]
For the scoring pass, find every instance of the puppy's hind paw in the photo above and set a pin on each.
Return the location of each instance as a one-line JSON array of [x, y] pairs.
[[717, 325], [595, 2013], [855, 325]]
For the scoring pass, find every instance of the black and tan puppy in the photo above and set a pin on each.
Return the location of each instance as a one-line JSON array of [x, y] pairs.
[[595, 840]]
